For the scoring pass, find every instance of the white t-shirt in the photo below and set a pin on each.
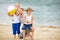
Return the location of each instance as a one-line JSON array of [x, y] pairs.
[[28, 18], [16, 19]]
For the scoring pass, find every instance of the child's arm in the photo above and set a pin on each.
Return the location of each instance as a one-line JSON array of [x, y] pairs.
[[32, 21], [32, 24], [21, 12], [25, 19]]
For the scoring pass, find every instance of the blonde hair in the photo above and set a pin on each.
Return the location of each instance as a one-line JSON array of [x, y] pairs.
[[17, 4]]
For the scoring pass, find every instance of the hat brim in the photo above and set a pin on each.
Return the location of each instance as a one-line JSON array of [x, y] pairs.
[[31, 10]]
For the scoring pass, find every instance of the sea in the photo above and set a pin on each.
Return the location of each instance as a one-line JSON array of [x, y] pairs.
[[45, 13]]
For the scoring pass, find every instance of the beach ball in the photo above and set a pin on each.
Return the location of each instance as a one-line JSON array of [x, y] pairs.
[[11, 10]]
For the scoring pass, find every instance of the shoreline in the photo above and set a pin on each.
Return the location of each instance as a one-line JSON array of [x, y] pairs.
[[34, 25]]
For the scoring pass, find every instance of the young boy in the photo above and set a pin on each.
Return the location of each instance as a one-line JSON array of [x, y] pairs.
[[16, 21], [28, 23]]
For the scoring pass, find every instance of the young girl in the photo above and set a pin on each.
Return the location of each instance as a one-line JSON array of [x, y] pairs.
[[16, 21], [28, 23]]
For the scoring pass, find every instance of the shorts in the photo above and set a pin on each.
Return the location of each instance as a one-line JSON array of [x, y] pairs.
[[26, 27], [16, 28]]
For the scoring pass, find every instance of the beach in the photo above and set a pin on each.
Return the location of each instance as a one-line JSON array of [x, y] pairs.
[[41, 33], [46, 18]]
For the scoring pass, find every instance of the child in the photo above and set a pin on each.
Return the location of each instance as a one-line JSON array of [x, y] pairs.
[[16, 21], [28, 23], [22, 21]]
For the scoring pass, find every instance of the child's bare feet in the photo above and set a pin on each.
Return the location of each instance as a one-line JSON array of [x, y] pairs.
[[32, 38], [18, 35], [28, 38], [23, 38], [14, 36]]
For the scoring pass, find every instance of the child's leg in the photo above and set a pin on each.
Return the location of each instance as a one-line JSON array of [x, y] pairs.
[[24, 31], [32, 31], [28, 35], [23, 34], [18, 29], [14, 30], [32, 37], [32, 34]]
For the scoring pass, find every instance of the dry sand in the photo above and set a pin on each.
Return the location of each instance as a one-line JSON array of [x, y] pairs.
[[41, 33]]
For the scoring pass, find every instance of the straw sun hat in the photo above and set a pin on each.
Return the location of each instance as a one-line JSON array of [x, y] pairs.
[[29, 8]]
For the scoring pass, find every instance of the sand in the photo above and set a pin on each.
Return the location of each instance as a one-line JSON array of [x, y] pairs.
[[41, 33]]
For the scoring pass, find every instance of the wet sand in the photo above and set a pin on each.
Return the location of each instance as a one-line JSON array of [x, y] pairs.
[[41, 33]]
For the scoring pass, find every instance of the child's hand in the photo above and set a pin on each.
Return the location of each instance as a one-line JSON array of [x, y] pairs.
[[26, 21], [29, 21], [32, 29]]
